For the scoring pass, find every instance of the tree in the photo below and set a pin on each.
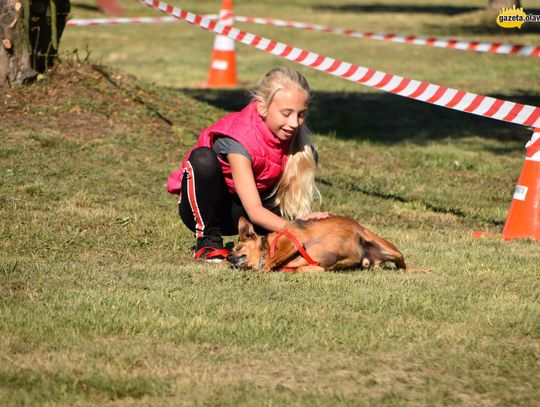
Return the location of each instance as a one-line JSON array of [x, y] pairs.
[[30, 32], [499, 4]]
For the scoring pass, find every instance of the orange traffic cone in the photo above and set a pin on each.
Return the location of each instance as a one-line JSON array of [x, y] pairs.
[[223, 64], [523, 221]]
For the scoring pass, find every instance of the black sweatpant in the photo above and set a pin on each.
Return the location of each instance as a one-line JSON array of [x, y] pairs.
[[206, 206]]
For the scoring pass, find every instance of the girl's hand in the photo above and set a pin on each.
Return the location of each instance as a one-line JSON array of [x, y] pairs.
[[316, 215]]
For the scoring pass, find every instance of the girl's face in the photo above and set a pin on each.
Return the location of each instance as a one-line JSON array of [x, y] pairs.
[[286, 113]]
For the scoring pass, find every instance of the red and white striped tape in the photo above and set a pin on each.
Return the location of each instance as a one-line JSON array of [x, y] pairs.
[[426, 92], [533, 147], [85, 22], [464, 45], [221, 42], [498, 48]]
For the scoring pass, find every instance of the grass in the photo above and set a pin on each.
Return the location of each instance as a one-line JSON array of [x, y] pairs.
[[100, 302]]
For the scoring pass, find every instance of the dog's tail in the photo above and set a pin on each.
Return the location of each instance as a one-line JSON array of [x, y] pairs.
[[378, 250]]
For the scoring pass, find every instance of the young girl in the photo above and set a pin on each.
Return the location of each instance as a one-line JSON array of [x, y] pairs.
[[257, 163]]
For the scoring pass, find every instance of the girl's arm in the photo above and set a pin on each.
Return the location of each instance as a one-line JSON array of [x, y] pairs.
[[244, 182]]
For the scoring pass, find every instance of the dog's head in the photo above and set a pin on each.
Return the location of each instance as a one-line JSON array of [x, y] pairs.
[[248, 252]]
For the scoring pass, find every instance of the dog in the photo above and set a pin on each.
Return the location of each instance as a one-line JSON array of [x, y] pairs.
[[314, 245]]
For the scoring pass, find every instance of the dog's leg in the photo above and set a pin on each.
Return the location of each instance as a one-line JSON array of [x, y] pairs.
[[301, 265], [285, 249], [380, 250]]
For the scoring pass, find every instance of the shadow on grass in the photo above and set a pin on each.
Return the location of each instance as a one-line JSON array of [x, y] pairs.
[[83, 6], [387, 118], [494, 29], [397, 8], [483, 23]]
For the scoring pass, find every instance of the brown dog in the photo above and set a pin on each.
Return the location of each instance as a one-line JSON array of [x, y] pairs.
[[332, 243]]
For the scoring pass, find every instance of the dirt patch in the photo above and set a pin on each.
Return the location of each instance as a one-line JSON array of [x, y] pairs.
[[83, 101]]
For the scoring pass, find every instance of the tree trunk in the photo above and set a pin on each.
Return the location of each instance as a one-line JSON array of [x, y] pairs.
[[30, 32], [15, 49], [496, 5]]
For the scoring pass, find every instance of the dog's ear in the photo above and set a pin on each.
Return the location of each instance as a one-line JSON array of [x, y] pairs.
[[245, 229]]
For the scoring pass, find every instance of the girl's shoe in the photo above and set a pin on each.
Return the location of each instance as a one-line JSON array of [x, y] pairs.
[[210, 248], [211, 254]]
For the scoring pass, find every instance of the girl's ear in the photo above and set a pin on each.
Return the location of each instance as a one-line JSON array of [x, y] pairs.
[[261, 108]]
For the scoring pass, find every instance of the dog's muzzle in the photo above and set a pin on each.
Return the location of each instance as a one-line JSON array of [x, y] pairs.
[[236, 261], [239, 262]]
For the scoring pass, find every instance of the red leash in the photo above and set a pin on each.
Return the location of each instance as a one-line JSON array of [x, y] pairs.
[[298, 245]]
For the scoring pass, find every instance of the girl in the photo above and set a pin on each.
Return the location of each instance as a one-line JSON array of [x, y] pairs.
[[257, 163]]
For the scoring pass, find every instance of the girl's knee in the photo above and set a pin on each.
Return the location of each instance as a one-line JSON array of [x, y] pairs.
[[202, 155], [204, 162]]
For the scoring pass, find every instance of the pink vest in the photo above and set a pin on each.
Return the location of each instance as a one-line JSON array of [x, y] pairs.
[[268, 153]]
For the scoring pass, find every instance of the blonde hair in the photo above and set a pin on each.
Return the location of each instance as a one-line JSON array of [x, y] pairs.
[[295, 190]]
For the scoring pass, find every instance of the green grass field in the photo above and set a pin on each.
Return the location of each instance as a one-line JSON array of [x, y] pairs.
[[100, 302]]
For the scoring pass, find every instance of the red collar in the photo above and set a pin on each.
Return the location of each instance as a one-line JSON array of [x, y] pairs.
[[298, 245]]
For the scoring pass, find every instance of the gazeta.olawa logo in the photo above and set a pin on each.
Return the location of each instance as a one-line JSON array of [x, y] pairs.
[[515, 17]]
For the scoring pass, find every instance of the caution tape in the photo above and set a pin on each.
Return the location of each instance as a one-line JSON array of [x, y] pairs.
[[85, 22], [498, 48], [426, 92], [463, 45], [533, 147], [80, 22]]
